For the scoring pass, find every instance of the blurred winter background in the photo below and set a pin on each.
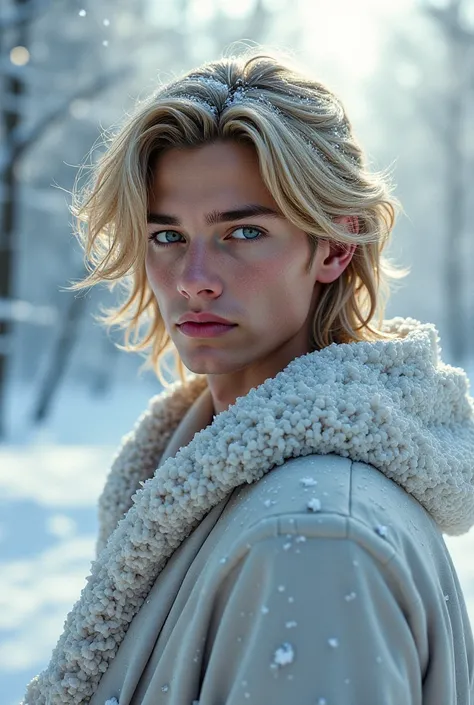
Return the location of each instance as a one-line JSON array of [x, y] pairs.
[[69, 69]]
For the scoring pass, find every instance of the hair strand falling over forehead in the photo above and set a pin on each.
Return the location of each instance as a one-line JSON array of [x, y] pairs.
[[309, 161]]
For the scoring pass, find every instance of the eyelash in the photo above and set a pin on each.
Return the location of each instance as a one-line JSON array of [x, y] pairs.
[[152, 236]]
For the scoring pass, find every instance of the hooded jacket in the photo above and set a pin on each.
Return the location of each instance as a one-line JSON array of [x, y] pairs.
[[289, 549]]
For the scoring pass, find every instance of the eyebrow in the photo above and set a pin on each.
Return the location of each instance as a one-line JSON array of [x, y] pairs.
[[215, 217]]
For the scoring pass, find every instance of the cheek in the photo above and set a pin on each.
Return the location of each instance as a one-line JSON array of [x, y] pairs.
[[287, 287], [158, 276], [272, 271]]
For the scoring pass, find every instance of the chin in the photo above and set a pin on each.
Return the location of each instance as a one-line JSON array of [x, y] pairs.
[[207, 364]]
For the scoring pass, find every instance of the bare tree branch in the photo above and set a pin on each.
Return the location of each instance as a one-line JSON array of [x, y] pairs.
[[24, 138]]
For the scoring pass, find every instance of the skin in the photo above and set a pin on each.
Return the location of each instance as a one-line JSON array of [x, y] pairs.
[[259, 283]]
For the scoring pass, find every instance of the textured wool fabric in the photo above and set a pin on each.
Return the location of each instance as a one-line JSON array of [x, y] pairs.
[[391, 404]]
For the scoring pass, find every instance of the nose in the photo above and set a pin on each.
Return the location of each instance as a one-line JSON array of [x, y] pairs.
[[199, 273]]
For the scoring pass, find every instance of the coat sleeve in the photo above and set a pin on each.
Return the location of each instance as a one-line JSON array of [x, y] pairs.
[[312, 621]]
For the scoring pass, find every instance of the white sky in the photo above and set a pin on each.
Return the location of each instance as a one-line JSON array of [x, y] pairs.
[[345, 32], [348, 32]]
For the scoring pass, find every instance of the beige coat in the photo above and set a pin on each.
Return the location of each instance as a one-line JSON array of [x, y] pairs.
[[312, 578]]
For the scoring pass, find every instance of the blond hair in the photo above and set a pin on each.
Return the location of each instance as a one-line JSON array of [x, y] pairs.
[[309, 160]]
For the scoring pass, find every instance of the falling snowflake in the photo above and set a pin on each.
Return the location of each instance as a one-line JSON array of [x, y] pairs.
[[351, 596], [286, 546], [381, 530], [264, 610], [291, 625], [83, 13], [284, 655], [308, 482], [165, 688], [300, 539], [267, 503], [106, 23], [333, 643], [314, 505], [105, 43]]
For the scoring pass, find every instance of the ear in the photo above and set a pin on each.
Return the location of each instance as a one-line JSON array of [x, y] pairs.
[[350, 221], [335, 257]]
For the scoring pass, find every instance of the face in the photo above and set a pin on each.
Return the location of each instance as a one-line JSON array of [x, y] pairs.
[[205, 256]]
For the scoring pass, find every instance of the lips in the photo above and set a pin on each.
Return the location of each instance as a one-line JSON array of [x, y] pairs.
[[203, 317], [205, 330], [206, 324]]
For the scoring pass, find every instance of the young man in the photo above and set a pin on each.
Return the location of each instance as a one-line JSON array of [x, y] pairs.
[[271, 531]]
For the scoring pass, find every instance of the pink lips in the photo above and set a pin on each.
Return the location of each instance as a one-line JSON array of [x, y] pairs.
[[202, 317], [204, 330]]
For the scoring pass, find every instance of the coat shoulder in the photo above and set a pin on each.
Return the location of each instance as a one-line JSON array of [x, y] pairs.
[[318, 491]]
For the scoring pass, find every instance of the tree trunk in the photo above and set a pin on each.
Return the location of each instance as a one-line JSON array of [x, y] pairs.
[[13, 88], [455, 190], [59, 360]]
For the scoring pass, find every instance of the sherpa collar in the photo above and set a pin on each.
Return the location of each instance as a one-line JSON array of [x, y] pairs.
[[392, 404]]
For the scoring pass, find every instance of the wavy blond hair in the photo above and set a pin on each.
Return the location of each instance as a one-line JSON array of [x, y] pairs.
[[309, 160]]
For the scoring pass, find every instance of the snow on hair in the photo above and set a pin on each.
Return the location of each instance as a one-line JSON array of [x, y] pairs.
[[310, 162]]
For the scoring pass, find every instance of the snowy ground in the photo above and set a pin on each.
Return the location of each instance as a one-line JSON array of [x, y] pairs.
[[49, 484]]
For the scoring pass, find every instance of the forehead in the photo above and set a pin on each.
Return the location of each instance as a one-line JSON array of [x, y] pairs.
[[221, 170]]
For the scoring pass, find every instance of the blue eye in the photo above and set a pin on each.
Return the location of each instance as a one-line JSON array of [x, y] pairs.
[[259, 232], [153, 237]]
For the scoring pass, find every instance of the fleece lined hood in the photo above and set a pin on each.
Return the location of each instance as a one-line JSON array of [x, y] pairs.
[[392, 404]]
